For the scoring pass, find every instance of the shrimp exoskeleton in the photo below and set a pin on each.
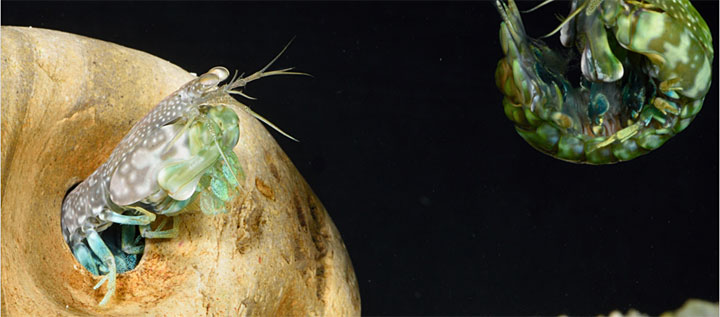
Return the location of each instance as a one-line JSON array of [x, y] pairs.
[[182, 150], [646, 67]]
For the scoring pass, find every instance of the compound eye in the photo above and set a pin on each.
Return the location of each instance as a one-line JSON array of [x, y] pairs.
[[221, 72], [208, 80]]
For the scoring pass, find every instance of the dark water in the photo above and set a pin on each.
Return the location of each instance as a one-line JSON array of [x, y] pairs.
[[443, 207]]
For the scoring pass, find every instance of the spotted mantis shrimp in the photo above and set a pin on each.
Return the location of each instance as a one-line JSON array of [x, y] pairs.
[[180, 152], [646, 67]]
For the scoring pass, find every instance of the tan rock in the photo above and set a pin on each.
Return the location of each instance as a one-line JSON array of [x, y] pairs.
[[67, 100]]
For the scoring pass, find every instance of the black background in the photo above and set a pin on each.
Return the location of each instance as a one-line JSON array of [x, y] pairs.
[[444, 209]]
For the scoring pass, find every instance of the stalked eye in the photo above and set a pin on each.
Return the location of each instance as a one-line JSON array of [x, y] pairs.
[[209, 80], [221, 72]]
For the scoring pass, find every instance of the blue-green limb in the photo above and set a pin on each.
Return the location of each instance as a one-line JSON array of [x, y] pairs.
[[84, 255], [130, 241], [101, 250], [159, 233]]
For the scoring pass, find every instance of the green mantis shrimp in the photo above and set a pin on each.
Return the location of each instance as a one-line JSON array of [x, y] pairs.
[[646, 68], [180, 152]]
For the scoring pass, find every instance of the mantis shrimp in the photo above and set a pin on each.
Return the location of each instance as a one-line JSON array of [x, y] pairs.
[[181, 151], [646, 68]]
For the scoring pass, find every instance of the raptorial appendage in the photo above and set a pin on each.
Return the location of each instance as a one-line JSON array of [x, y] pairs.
[[181, 151], [646, 67]]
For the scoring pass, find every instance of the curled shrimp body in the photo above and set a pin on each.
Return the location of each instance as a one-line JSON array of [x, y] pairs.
[[182, 150], [646, 67]]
